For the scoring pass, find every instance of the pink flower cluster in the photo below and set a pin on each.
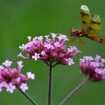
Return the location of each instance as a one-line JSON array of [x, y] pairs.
[[93, 67], [11, 78], [50, 48]]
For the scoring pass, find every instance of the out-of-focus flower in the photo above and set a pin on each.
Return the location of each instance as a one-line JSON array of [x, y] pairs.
[[50, 48], [24, 87], [30, 75], [11, 78], [93, 67]]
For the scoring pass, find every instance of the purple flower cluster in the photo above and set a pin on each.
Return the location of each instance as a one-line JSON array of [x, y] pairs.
[[50, 48], [11, 78], [93, 67]]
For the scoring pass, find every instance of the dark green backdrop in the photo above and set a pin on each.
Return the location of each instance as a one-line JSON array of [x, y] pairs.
[[21, 18]]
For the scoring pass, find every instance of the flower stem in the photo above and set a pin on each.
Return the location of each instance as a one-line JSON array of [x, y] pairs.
[[55, 64], [69, 96], [28, 97], [50, 84]]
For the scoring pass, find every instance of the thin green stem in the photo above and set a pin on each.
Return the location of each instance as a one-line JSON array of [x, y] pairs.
[[69, 96], [28, 97], [50, 84], [55, 64]]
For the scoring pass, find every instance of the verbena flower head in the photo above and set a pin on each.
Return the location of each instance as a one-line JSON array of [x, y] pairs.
[[11, 78], [50, 48], [93, 67]]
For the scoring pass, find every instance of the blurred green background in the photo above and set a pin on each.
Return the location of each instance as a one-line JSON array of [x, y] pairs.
[[21, 18]]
